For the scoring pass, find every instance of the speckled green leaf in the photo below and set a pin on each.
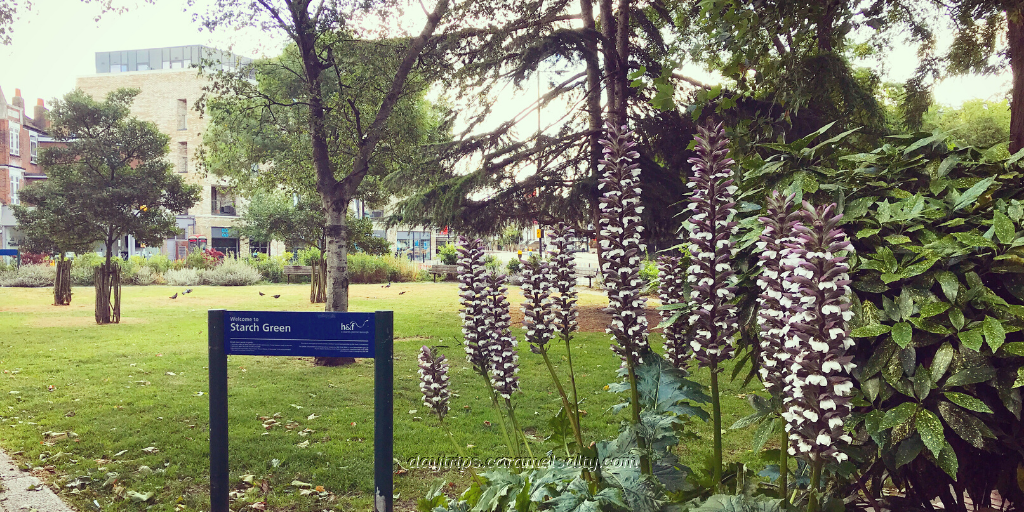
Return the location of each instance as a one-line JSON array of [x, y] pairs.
[[949, 282], [995, 336], [1016, 348], [972, 339], [1005, 231], [947, 461], [933, 308], [971, 375], [956, 317], [973, 239], [943, 356], [902, 333], [905, 303], [967, 402], [864, 233], [869, 331], [1020, 378], [966, 426], [898, 239], [898, 415], [930, 428]]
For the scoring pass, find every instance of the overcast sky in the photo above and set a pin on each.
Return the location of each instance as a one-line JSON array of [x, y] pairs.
[[56, 41]]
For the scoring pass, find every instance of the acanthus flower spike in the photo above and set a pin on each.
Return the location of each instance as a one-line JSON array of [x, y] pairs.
[[504, 358], [713, 322], [434, 381], [563, 276], [620, 239], [538, 310], [671, 291], [473, 297], [818, 388], [776, 298]]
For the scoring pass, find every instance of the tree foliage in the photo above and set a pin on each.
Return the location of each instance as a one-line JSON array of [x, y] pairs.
[[108, 179]]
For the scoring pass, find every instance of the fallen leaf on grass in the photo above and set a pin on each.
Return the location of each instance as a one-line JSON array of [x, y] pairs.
[[150, 450], [262, 505], [304, 444], [296, 406], [312, 417], [120, 453], [248, 479], [139, 497], [301, 484], [172, 374]]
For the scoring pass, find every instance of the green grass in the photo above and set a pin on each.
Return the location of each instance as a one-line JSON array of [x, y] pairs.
[[143, 383]]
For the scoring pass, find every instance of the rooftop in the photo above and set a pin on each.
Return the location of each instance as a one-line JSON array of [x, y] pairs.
[[171, 57]]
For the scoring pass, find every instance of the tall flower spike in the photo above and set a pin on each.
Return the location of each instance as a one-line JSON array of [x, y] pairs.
[[538, 313], [504, 359], [818, 390], [473, 297], [710, 274], [434, 381], [776, 299], [563, 273], [671, 290], [620, 241]]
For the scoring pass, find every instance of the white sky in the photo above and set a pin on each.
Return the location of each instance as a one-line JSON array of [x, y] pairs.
[[55, 42]]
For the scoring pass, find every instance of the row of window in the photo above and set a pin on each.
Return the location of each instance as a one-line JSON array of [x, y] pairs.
[[15, 142]]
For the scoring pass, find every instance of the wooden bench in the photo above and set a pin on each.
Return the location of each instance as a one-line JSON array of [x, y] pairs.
[[443, 270], [296, 270], [588, 272]]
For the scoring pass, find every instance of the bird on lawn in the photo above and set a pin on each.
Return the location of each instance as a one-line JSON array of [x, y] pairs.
[[275, 296], [188, 290], [401, 292], [262, 294], [175, 296]]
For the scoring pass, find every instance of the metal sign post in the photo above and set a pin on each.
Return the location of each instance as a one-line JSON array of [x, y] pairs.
[[316, 334]]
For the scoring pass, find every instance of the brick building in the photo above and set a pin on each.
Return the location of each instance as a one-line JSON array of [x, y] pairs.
[[21, 137], [170, 85]]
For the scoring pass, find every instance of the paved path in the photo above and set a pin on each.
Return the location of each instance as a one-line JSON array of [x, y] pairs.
[[16, 496]]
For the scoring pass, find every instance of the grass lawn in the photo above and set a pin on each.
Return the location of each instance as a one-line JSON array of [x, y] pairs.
[[128, 410]]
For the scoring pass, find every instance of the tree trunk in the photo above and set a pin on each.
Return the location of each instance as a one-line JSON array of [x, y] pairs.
[[611, 61], [336, 269], [318, 281], [62, 283], [108, 283], [1016, 42]]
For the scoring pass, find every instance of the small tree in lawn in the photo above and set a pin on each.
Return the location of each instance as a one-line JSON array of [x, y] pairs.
[[51, 225], [112, 175]]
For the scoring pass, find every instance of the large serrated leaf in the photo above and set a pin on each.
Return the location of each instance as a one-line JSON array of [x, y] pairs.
[[930, 428], [764, 432]]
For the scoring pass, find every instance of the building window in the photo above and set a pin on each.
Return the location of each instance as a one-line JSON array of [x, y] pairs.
[[15, 139], [33, 147], [182, 157], [222, 202], [15, 181], [182, 114], [262, 247]]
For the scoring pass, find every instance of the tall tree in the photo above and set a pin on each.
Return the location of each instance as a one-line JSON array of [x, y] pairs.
[[314, 28], [108, 180]]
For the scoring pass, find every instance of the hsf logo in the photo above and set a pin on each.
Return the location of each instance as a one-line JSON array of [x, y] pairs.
[[351, 326]]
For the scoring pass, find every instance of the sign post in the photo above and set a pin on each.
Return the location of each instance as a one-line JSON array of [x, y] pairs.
[[316, 334]]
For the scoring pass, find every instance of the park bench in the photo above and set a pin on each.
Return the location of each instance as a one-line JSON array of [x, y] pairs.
[[443, 270], [588, 272], [296, 270]]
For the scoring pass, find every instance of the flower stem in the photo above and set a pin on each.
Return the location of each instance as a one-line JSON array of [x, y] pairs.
[[572, 380], [515, 425], [812, 496], [645, 460], [573, 420], [784, 470], [716, 415], [513, 447], [462, 454]]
